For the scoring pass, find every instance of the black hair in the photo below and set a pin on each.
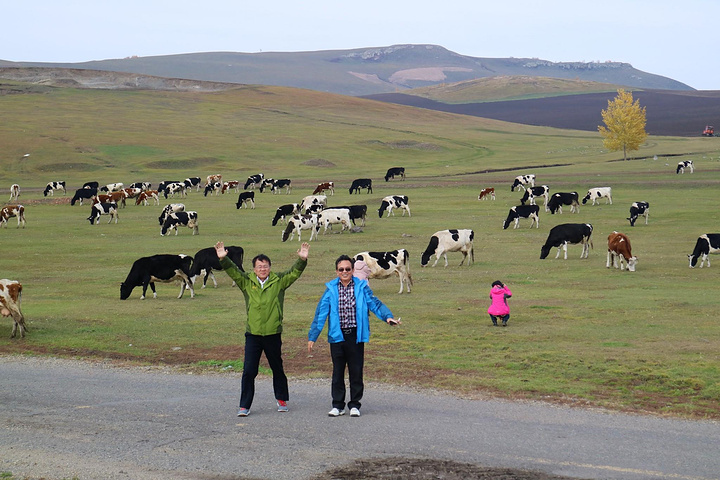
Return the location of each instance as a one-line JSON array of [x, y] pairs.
[[497, 283], [261, 258], [343, 258]]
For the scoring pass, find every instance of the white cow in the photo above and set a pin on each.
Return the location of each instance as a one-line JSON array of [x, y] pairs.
[[298, 223], [595, 194], [385, 264], [449, 241]]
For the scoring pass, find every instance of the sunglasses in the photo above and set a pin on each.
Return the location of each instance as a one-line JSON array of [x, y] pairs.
[[344, 269]]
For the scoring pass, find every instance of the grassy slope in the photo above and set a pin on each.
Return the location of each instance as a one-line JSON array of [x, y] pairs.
[[579, 332]]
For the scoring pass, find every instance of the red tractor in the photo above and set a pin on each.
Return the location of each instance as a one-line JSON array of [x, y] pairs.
[[709, 131]]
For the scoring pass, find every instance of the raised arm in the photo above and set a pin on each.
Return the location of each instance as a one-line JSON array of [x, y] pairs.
[[220, 250]]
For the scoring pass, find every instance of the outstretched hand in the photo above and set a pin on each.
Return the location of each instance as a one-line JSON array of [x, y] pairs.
[[304, 250], [220, 250]]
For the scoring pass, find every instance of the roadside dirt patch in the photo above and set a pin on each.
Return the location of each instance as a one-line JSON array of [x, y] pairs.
[[319, 162]]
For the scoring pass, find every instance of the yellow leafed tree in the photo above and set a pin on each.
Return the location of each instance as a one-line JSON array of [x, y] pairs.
[[624, 124]]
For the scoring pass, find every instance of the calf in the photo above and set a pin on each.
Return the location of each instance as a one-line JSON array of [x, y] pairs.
[[486, 193], [84, 194], [9, 211], [522, 211], [112, 187], [285, 211], [213, 188], [180, 219], [620, 252], [228, 185], [98, 209], [533, 192], [298, 223], [333, 216], [395, 171], [568, 233], [312, 200], [446, 241], [10, 300], [253, 181], [394, 201], [173, 188], [705, 245], [384, 264], [559, 199], [285, 183], [521, 181], [681, 166], [206, 260], [359, 183], [52, 186], [158, 268], [245, 199], [168, 209], [356, 211], [143, 186], [637, 209], [213, 179], [192, 182], [144, 196], [595, 194], [14, 192], [325, 186]]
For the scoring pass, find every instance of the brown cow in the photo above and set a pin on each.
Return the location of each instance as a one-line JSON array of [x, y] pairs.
[[325, 186], [487, 192], [143, 197], [228, 185], [10, 299], [10, 211], [619, 251]]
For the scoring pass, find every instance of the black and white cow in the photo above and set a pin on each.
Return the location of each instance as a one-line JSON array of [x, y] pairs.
[[395, 171], [568, 233], [637, 209], [254, 181], [168, 209], [705, 245], [359, 183], [334, 216], [298, 223], [522, 181], [394, 201], [163, 185], [595, 194], [193, 182], [84, 194], [385, 264], [356, 212], [141, 185], [311, 200], [112, 187], [206, 260], [94, 185], [158, 268], [681, 166], [180, 219], [532, 193], [285, 211], [213, 188], [285, 183], [557, 200], [446, 241], [98, 209], [245, 199], [52, 186], [522, 211], [172, 188]]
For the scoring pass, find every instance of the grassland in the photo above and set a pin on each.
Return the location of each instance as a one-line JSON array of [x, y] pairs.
[[579, 333]]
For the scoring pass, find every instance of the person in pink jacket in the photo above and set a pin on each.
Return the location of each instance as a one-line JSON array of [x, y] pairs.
[[499, 293]]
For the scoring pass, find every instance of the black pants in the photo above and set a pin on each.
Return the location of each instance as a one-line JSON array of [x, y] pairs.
[[255, 345], [351, 354]]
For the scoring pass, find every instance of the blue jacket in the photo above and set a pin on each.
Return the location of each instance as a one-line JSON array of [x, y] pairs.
[[365, 301]]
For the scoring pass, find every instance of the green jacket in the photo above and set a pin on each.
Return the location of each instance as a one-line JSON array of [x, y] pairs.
[[264, 305]]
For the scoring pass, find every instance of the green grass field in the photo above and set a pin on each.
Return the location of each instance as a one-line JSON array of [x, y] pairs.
[[579, 333]]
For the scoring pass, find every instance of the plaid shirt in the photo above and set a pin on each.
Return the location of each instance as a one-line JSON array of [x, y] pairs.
[[346, 307]]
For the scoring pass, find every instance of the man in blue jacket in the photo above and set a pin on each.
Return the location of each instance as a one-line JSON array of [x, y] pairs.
[[346, 303]]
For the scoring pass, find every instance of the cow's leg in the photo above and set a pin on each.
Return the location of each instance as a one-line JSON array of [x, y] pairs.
[[145, 284], [212, 275], [517, 223], [437, 257], [609, 256]]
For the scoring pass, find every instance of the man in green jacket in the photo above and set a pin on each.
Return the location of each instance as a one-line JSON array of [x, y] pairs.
[[264, 293]]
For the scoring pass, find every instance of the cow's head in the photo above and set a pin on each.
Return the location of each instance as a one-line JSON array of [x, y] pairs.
[[125, 291], [632, 263], [544, 251], [693, 260]]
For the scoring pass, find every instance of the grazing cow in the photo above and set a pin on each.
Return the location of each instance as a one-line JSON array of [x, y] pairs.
[[356, 211], [213, 188], [620, 252], [285, 183], [180, 219], [333, 216], [213, 179], [14, 192], [285, 211], [10, 300], [384, 264], [9, 211], [595, 194], [395, 171], [254, 181], [94, 185], [206, 260], [310, 200], [158, 268], [568, 233], [446, 241], [228, 185], [141, 185], [394, 201], [359, 183], [168, 209], [112, 187], [324, 186], [534, 192], [102, 198], [98, 209], [192, 182], [132, 192], [521, 181], [117, 197], [486, 193], [143, 197], [84, 193], [298, 223], [705, 245], [522, 211], [173, 188], [245, 199], [163, 185], [52, 186], [681, 166], [563, 198], [637, 209]]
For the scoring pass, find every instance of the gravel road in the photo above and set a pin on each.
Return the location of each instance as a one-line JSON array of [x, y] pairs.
[[65, 419]]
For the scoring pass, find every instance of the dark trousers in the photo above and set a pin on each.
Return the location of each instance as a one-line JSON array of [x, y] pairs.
[[504, 318], [255, 345], [350, 354]]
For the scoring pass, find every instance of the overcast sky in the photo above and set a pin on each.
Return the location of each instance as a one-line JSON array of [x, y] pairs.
[[676, 39]]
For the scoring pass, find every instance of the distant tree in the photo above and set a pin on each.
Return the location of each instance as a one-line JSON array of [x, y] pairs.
[[624, 124]]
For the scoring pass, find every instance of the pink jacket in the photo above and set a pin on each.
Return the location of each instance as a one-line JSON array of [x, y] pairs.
[[499, 296], [362, 271]]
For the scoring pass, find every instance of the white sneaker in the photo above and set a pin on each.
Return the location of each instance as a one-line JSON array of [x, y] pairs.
[[354, 412], [336, 413]]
